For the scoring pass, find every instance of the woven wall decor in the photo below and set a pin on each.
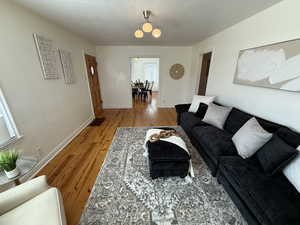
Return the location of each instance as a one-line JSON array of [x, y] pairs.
[[176, 71]]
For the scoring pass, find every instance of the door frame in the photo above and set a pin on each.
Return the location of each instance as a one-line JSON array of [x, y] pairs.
[[199, 66], [87, 80], [159, 72]]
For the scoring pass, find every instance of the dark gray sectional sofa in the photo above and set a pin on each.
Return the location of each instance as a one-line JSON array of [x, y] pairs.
[[262, 199]]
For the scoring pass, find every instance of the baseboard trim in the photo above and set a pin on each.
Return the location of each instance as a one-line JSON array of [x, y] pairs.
[[44, 161]]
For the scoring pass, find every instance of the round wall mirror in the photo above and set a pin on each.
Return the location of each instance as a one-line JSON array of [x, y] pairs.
[[176, 71]]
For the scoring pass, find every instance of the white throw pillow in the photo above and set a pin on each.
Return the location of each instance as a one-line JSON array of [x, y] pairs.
[[197, 99], [216, 115], [250, 137], [292, 171]]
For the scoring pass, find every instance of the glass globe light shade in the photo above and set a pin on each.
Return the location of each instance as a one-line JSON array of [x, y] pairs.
[[156, 33], [147, 27], [139, 33]]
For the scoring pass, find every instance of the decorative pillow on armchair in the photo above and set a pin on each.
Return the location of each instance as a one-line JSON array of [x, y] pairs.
[[275, 155], [197, 99], [250, 137]]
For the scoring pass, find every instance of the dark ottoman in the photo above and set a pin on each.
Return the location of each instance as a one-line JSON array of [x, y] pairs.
[[167, 159]]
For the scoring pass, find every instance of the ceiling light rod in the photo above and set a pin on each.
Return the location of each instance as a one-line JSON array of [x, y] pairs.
[[147, 14]]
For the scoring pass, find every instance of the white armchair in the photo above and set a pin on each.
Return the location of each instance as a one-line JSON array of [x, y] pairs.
[[32, 203]]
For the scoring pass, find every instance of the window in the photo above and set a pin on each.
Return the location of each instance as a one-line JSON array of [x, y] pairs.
[[150, 71], [8, 130]]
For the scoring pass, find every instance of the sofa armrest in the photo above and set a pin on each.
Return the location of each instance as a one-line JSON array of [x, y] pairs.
[[180, 108], [18, 195]]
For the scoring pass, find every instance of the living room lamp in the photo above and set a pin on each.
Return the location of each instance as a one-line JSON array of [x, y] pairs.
[[156, 33], [147, 27], [139, 33]]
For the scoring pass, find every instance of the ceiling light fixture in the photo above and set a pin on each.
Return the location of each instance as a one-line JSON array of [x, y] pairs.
[[147, 27], [139, 33], [156, 33]]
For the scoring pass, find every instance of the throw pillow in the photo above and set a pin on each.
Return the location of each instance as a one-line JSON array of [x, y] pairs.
[[216, 115], [289, 136], [201, 110], [250, 137], [275, 155], [291, 171], [197, 99]]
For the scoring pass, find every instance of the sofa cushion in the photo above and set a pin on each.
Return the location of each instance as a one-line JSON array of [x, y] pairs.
[[250, 138], [237, 118], [275, 155], [272, 199], [268, 125], [217, 142], [45, 209], [181, 108], [289, 136], [189, 120], [197, 99], [216, 115], [201, 110], [291, 171]]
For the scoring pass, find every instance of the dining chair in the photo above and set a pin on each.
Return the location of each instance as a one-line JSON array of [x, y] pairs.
[[151, 87], [144, 91]]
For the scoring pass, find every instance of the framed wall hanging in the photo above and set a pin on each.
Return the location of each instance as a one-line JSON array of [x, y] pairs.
[[67, 66], [273, 66], [48, 56]]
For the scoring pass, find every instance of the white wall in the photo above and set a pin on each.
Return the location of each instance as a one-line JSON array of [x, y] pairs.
[[138, 71], [45, 111], [276, 24], [114, 67]]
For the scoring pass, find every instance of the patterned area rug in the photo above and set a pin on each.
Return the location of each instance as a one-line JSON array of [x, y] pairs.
[[125, 194]]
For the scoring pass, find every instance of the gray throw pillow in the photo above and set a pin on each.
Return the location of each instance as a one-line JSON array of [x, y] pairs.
[[250, 137], [216, 115]]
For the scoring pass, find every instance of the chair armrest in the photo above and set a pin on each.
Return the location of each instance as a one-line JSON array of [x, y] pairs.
[[180, 108], [18, 195]]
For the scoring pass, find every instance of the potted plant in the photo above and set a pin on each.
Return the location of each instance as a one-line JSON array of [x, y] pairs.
[[8, 163]]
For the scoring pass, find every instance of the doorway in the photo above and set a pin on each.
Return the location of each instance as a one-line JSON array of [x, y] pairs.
[[205, 66], [92, 72], [144, 79]]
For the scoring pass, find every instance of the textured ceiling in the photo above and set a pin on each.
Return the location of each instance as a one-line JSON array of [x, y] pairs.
[[113, 22]]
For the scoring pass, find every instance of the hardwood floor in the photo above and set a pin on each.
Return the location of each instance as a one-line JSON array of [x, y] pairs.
[[76, 167]]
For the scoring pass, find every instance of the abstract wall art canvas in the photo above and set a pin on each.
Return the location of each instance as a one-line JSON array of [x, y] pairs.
[[67, 66], [272, 66], [48, 56]]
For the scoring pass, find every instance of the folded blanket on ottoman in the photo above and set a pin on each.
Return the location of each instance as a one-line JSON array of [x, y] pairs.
[[167, 156]]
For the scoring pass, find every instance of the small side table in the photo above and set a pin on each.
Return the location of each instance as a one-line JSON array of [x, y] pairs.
[[25, 165]]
